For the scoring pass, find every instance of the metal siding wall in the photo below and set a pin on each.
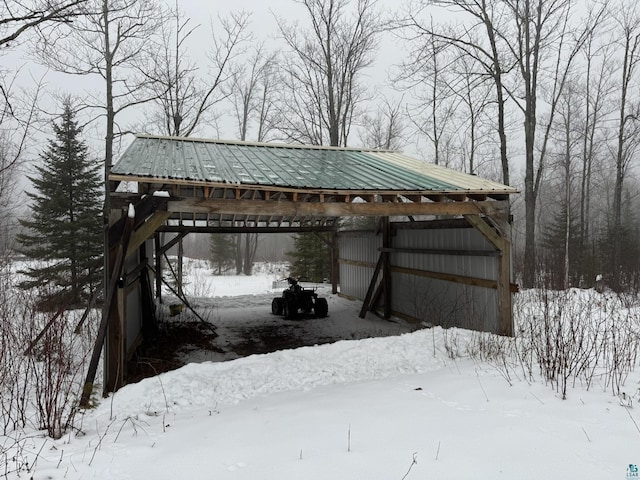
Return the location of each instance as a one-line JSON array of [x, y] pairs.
[[360, 247], [432, 301]]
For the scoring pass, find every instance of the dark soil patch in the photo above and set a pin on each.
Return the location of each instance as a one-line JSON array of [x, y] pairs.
[[162, 353], [270, 338], [168, 349]]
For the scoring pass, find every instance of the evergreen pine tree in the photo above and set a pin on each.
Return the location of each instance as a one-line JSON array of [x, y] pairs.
[[311, 258], [223, 252], [64, 232]]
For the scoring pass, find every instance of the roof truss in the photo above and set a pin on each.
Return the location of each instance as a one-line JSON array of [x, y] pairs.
[[213, 206]]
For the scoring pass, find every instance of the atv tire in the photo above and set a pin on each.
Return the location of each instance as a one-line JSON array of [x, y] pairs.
[[277, 306], [321, 308]]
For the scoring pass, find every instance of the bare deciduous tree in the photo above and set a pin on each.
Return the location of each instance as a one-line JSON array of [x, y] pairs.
[[427, 75], [111, 41], [597, 88], [546, 41], [252, 92], [253, 89], [19, 17], [183, 97], [384, 130], [324, 68], [479, 39], [18, 107], [474, 99], [532, 45], [628, 130], [183, 100], [18, 119]]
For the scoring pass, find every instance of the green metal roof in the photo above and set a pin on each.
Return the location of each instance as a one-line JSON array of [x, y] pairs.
[[290, 166]]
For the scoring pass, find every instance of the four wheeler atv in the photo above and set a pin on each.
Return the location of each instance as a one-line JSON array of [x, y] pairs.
[[298, 299]]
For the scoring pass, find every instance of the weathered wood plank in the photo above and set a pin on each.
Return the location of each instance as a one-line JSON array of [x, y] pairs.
[[441, 251], [448, 277], [310, 209], [372, 285], [503, 284], [146, 230]]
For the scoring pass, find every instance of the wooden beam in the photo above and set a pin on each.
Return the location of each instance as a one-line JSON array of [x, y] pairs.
[[442, 251], [436, 198], [144, 207], [474, 281], [257, 229], [376, 296], [44, 330], [446, 223], [130, 277], [158, 266], [483, 227], [478, 197], [447, 277], [311, 209], [370, 290], [503, 284], [146, 230], [163, 249]]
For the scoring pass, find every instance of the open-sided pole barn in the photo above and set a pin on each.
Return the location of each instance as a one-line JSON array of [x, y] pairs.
[[436, 227]]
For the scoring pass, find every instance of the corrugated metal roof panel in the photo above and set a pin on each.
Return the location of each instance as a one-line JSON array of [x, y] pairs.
[[461, 180], [294, 166]]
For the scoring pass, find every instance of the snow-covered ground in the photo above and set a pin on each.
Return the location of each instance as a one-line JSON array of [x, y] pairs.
[[409, 406]]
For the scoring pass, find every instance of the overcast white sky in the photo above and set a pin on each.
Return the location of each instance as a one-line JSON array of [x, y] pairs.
[[202, 12], [265, 28]]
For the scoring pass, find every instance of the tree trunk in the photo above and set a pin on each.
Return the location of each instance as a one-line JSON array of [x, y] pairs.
[[567, 197]]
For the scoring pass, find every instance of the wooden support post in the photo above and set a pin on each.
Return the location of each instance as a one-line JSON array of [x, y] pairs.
[[386, 265], [180, 260], [503, 294], [115, 358], [158, 266], [116, 264], [335, 266], [505, 322]]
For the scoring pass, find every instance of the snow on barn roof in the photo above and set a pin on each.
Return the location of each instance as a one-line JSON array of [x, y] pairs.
[[234, 163]]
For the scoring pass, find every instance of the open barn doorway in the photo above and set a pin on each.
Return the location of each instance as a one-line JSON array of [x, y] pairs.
[[227, 316]]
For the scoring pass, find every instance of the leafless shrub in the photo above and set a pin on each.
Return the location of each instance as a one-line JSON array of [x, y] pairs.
[[16, 322], [452, 343], [567, 337], [57, 372], [201, 286], [16, 455], [579, 337], [39, 381], [497, 350]]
